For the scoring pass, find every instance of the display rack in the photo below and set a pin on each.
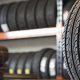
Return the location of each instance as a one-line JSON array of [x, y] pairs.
[[41, 33]]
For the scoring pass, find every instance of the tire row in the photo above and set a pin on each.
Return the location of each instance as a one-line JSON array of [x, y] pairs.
[[41, 64], [30, 14]]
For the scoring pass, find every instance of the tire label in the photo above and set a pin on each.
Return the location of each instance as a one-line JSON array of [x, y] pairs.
[[4, 27], [27, 71], [11, 71], [19, 71], [52, 67], [43, 64]]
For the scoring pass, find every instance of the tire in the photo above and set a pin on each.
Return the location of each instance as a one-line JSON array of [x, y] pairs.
[[9, 60], [3, 18], [1, 6], [21, 15], [13, 63], [51, 13], [52, 67], [40, 14], [12, 15], [71, 42], [20, 64], [28, 64], [44, 68], [3, 55], [36, 62], [30, 14]]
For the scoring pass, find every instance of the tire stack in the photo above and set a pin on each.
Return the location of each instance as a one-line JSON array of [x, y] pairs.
[[30, 14], [41, 64]]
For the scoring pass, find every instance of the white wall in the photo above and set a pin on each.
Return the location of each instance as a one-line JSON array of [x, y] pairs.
[[25, 45]]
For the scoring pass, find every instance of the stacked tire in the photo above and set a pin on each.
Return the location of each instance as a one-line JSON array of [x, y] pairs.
[[30, 14], [41, 64]]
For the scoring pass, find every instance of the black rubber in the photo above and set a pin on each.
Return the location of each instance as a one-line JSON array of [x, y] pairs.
[[46, 57], [69, 5], [21, 15], [67, 8], [1, 6], [40, 13], [30, 14], [13, 63], [9, 60], [36, 62], [52, 69], [3, 17], [65, 2], [12, 15], [20, 63], [71, 42], [28, 63], [51, 13]]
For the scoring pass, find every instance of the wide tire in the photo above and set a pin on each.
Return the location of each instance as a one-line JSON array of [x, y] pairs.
[[71, 46]]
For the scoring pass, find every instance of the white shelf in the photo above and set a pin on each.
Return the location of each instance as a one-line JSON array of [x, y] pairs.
[[30, 33]]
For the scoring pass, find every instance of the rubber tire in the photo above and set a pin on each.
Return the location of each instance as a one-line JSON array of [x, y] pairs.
[[65, 74], [12, 15], [9, 60], [51, 13], [13, 63], [40, 14], [21, 62], [53, 57], [21, 15], [30, 14], [36, 62], [4, 16], [71, 42], [1, 6], [28, 63], [48, 55]]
